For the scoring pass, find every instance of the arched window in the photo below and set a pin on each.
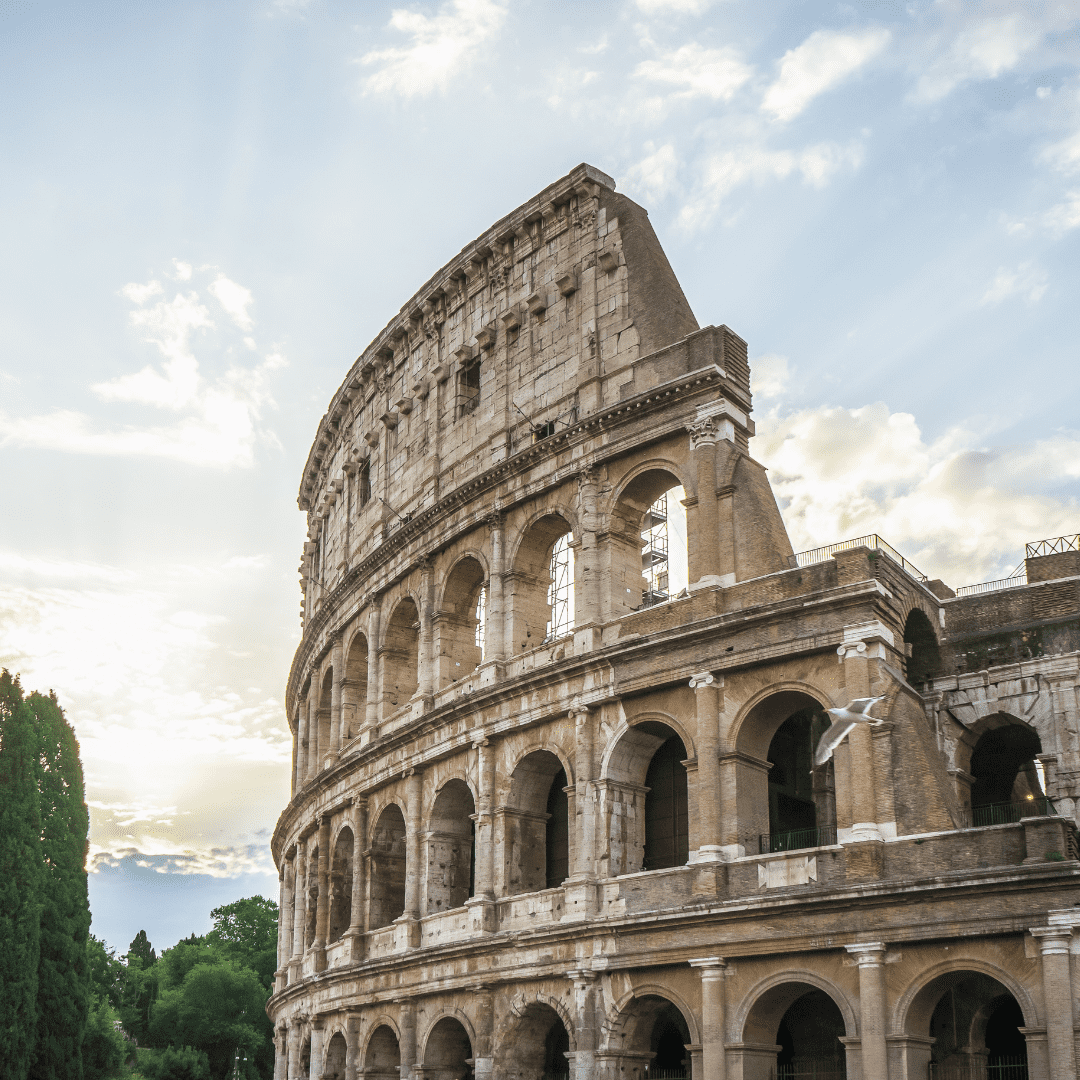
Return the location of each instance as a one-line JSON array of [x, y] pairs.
[[809, 1036], [459, 622], [663, 548], [667, 827], [924, 663], [326, 697], [341, 885], [451, 848], [1007, 784], [387, 868], [383, 1055], [557, 833], [668, 1041], [401, 656], [448, 1052], [311, 896], [543, 587], [335, 1058], [354, 689], [535, 826], [537, 1045], [561, 590]]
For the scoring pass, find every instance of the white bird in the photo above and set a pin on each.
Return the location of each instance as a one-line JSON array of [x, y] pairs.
[[857, 712]]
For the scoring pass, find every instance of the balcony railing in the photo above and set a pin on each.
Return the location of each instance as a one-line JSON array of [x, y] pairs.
[[1054, 546], [823, 1068], [677, 1073], [873, 541], [993, 586], [1008, 813], [771, 843], [1000, 1068]]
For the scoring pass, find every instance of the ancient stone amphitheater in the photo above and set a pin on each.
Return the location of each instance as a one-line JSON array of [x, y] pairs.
[[556, 805]]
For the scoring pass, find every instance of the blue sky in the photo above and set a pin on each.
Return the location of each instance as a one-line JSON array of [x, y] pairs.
[[208, 211]]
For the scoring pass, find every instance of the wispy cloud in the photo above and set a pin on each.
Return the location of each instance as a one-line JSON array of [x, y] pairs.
[[443, 46], [221, 423], [655, 174], [1028, 282], [822, 61], [678, 7], [698, 72]]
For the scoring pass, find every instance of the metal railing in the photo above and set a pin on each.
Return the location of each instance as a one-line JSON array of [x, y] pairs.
[[993, 586], [795, 840], [873, 541], [1008, 813], [677, 1073], [823, 1068], [1054, 546], [999, 1068]]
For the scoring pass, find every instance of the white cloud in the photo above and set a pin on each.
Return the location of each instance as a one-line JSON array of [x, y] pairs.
[[769, 376], [981, 51], [1026, 281], [221, 426], [958, 510], [698, 72], [1064, 155], [824, 59], [235, 299], [654, 176], [183, 270], [679, 7], [443, 46]]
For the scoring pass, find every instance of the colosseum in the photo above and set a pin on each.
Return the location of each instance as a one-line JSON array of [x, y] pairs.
[[567, 800]]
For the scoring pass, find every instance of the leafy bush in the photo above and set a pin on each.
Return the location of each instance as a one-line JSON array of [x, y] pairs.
[[174, 1063], [103, 1048]]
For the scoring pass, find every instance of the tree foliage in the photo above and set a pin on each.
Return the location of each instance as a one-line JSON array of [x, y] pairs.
[[246, 931]]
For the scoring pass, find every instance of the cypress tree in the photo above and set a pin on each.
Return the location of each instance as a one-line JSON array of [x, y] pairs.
[[21, 876], [65, 910]]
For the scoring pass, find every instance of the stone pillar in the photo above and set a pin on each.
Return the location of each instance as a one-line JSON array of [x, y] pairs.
[[707, 691], [584, 1064], [713, 1017], [374, 690], [336, 658], [299, 903], [281, 1050], [495, 632], [294, 1049], [407, 1038], [587, 606], [482, 904], [318, 1051], [322, 910], [1058, 995], [872, 1022], [863, 808], [301, 743], [295, 773], [705, 555], [286, 916], [426, 679], [484, 1050], [353, 1062], [581, 835], [414, 836], [355, 932], [312, 754]]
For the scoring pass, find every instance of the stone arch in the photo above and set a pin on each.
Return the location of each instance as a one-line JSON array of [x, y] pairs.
[[451, 847], [341, 883], [354, 687], [456, 624], [924, 663], [533, 819], [400, 655], [649, 821], [311, 894], [448, 1046], [323, 714], [648, 1026], [531, 606], [334, 1060], [995, 757], [537, 1043], [387, 868], [630, 523], [382, 1051]]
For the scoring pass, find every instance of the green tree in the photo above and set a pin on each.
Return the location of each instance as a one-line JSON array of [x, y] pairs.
[[138, 987], [174, 1063], [103, 1047], [104, 970], [21, 880], [65, 911], [246, 931], [142, 949]]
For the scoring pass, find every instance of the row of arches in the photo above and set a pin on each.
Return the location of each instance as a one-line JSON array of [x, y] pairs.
[[965, 1022]]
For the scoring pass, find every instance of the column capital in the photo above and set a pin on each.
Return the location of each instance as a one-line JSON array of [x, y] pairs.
[[712, 967], [581, 975], [703, 432], [1053, 940], [851, 648], [578, 711], [705, 678], [868, 953]]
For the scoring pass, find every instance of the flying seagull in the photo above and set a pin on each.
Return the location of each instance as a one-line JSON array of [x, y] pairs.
[[858, 712]]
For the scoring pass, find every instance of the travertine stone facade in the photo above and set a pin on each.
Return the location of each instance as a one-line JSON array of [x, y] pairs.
[[530, 841]]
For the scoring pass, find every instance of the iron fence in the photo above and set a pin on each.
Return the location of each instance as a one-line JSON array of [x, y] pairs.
[[1008, 813], [1054, 546], [993, 586], [823, 1068], [998, 1068], [873, 541], [678, 1073], [771, 843]]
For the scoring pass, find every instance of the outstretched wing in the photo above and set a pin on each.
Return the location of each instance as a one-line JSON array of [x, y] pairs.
[[862, 706], [832, 738]]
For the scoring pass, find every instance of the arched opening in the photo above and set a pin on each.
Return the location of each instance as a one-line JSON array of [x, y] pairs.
[[801, 796], [451, 848], [648, 543], [557, 833], [805, 1024], [387, 868], [448, 1052], [975, 1023], [334, 1069], [400, 656], [341, 884], [312, 895], [655, 1036], [668, 1042], [354, 688], [538, 1046], [1006, 782], [543, 592], [382, 1059], [782, 805], [527, 828], [667, 824], [305, 1057], [924, 662], [326, 697], [457, 624]]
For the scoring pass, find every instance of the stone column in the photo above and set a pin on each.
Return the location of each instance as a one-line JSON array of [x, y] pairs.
[[1058, 995], [705, 556], [294, 1049], [355, 932], [374, 691], [299, 903], [301, 744], [495, 633], [581, 836], [353, 1062], [482, 903], [407, 1039], [484, 1050], [336, 658], [294, 775], [322, 910], [312, 755], [587, 613], [713, 1017], [286, 915], [281, 1061], [414, 836], [318, 1051], [872, 1023], [863, 810], [426, 680], [707, 690], [584, 1064]]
